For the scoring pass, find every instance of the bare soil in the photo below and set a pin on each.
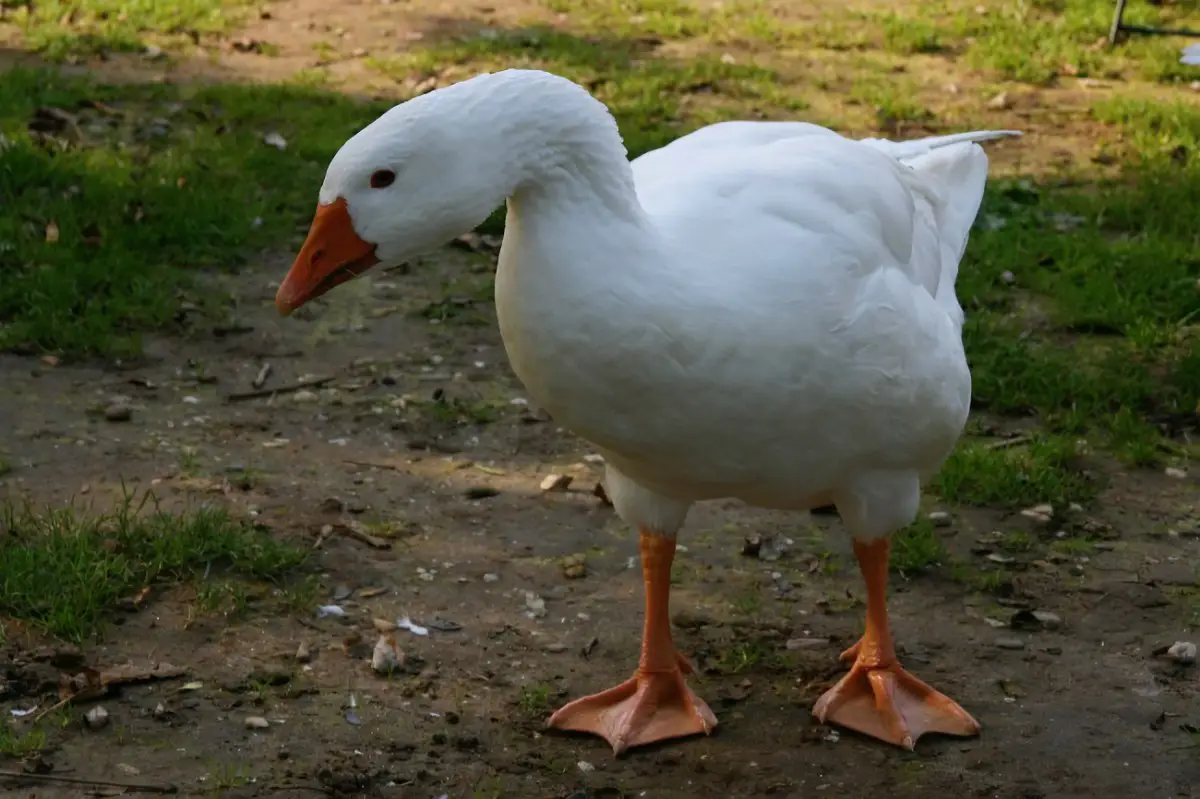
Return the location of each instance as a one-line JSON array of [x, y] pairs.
[[1084, 709]]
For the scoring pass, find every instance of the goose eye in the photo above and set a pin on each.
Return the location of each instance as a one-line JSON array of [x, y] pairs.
[[382, 178]]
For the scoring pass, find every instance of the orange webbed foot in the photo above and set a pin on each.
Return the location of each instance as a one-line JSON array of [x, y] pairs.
[[888, 703], [649, 707]]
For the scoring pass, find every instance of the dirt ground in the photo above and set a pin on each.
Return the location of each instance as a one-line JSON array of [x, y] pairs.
[[1085, 709], [420, 436]]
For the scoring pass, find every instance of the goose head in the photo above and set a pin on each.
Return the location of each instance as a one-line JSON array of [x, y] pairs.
[[422, 173]]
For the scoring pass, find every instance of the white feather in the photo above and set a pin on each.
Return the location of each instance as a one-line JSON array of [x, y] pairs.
[[759, 310]]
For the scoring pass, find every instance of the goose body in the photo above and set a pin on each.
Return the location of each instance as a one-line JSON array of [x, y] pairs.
[[758, 310], [765, 334]]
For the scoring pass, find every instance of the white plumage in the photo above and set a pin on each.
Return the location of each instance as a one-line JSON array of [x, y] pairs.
[[759, 310]]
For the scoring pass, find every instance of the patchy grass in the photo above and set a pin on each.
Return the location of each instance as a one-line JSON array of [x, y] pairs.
[[1083, 306], [65, 571], [1081, 298], [534, 700], [1070, 37], [654, 98], [917, 547], [1081, 290], [67, 29], [116, 196], [18, 742], [1045, 470], [742, 656], [994, 36]]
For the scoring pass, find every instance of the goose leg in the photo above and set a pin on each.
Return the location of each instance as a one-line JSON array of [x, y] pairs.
[[878, 697], [655, 704]]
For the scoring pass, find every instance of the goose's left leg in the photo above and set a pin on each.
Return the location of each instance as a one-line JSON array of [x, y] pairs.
[[878, 697]]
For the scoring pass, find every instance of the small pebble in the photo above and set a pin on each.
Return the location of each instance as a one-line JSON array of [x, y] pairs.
[[118, 412], [96, 717], [535, 606], [256, 723], [1039, 513], [1051, 621], [303, 653], [385, 659], [1035, 620], [806, 643], [556, 482], [556, 648], [940, 518], [384, 625], [574, 567], [1010, 643], [1183, 652]]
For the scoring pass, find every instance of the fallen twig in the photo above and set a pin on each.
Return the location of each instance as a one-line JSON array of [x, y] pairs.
[[128, 786], [355, 531], [312, 625], [1007, 443], [264, 372], [267, 392], [395, 467], [51, 709]]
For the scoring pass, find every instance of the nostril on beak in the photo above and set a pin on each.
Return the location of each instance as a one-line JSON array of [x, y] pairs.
[[316, 257]]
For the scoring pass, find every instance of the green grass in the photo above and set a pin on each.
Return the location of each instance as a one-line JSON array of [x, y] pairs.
[[654, 98], [1097, 333], [917, 547], [64, 570], [16, 742], [1045, 470], [60, 29], [995, 37], [144, 190], [992, 35], [1080, 289], [534, 700]]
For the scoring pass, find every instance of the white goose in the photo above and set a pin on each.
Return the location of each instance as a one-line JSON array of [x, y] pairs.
[[759, 310]]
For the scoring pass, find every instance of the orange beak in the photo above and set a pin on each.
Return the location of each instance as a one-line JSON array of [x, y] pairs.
[[332, 254]]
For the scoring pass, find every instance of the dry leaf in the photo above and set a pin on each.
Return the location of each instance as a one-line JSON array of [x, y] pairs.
[[356, 531], [129, 673], [87, 684], [51, 233]]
